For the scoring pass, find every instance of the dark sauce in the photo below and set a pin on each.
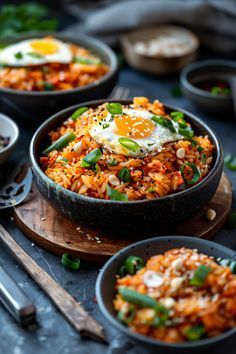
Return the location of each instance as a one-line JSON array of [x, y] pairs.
[[3, 142]]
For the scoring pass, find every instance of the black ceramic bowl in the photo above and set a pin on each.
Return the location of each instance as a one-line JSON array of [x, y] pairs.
[[198, 72], [105, 289], [39, 105], [142, 216]]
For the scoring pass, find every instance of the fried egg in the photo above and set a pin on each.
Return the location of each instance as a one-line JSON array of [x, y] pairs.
[[36, 52], [134, 124]]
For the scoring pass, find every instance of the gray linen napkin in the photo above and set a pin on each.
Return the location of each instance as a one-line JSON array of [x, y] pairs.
[[213, 20]]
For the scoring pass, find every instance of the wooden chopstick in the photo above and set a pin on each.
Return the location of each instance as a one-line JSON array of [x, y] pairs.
[[67, 305]]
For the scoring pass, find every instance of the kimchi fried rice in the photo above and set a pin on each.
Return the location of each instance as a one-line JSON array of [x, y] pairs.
[[127, 152], [181, 295]]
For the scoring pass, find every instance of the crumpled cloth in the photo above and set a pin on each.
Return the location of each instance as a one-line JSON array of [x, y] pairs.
[[214, 21]]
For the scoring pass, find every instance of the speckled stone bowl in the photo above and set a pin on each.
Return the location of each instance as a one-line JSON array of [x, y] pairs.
[[145, 249], [142, 216]]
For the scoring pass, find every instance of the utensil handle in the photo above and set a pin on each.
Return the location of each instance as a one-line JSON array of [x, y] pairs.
[[14, 299], [68, 306]]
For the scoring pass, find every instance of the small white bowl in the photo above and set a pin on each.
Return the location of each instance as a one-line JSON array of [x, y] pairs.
[[8, 128]]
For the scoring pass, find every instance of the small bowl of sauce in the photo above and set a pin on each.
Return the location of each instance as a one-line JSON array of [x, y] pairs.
[[209, 85]]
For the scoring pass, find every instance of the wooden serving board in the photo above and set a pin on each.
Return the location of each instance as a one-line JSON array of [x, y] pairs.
[[48, 229]]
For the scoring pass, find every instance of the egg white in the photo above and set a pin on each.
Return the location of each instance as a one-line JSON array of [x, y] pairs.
[[8, 56], [108, 138]]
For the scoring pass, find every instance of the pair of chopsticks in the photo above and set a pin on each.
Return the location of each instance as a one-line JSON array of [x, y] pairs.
[[67, 305]]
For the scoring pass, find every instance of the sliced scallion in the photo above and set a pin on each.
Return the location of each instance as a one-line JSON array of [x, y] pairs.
[[200, 275], [78, 112], [195, 333], [59, 144], [204, 158], [196, 172], [48, 86], [18, 55], [176, 115], [114, 108], [124, 175], [87, 61], [91, 158], [232, 220], [133, 264], [126, 316], [112, 162], [35, 55], [129, 144], [113, 194], [167, 123], [230, 162], [70, 261]]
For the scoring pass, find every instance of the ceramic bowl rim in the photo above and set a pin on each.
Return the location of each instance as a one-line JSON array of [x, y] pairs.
[[67, 36], [12, 124], [142, 338], [189, 69], [73, 195]]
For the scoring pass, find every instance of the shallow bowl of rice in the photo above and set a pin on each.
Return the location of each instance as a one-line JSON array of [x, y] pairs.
[[140, 194]]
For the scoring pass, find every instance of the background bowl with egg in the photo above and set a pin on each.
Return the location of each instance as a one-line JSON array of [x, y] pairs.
[[37, 105], [139, 216]]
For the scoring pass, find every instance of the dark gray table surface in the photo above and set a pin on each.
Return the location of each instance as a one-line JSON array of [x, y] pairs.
[[55, 335]]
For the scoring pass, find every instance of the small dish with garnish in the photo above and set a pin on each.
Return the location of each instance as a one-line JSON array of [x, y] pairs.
[[174, 293], [209, 85], [9, 134], [139, 162]]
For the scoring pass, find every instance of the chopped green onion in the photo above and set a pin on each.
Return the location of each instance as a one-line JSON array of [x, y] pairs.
[[230, 162], [62, 142], [18, 55], [186, 131], [48, 86], [204, 158], [195, 333], [124, 175], [176, 115], [232, 220], [200, 275], [217, 90], [126, 316], [133, 264], [122, 271], [70, 261], [136, 298], [143, 301], [167, 123], [193, 142], [157, 322], [113, 194], [87, 61], [91, 158], [176, 91], [104, 126], [35, 55], [200, 148], [112, 162], [78, 112], [228, 263], [151, 190], [62, 159], [129, 144], [196, 172], [114, 108]]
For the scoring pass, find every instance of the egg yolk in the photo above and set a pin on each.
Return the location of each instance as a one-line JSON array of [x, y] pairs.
[[134, 127], [44, 47]]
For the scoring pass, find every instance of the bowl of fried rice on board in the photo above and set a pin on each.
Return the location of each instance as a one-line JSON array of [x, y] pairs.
[[136, 163]]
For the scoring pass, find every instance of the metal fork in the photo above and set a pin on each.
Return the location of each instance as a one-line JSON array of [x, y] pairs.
[[120, 93]]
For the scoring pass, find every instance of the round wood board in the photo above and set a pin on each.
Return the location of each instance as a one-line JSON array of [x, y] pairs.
[[44, 226]]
